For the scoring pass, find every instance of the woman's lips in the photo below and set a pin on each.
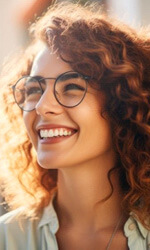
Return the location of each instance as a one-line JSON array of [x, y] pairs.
[[54, 139]]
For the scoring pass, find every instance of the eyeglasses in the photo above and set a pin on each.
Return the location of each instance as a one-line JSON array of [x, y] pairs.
[[69, 90]]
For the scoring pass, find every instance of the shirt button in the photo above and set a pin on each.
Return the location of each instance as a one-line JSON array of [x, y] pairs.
[[131, 227]]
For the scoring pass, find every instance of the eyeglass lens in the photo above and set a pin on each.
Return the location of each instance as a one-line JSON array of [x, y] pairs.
[[69, 90]]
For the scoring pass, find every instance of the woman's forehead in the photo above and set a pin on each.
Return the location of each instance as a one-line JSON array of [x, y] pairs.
[[48, 64]]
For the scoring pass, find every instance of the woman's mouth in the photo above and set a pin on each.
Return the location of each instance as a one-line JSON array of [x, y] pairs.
[[55, 135]]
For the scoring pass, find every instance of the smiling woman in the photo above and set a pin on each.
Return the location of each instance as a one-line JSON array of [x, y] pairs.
[[79, 178]]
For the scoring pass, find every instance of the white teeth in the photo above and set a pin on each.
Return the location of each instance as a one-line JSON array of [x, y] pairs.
[[56, 132], [50, 133], [44, 133], [41, 133], [61, 132], [65, 133]]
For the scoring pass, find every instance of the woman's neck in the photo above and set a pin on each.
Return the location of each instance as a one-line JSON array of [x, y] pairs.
[[80, 194]]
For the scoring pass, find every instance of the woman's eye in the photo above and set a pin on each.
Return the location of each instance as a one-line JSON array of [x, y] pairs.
[[73, 86], [33, 90]]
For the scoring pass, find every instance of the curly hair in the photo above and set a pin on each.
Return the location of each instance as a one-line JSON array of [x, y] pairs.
[[118, 59]]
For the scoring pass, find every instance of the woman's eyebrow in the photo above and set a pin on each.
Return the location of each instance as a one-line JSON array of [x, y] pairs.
[[69, 76], [39, 78]]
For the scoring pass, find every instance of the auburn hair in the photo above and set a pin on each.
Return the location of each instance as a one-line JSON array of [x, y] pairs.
[[118, 59]]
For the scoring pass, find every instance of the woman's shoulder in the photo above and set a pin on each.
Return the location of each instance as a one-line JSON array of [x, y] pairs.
[[11, 216], [14, 230], [28, 233], [16, 219], [14, 222]]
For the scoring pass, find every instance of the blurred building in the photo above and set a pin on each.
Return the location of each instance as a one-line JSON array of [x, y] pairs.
[[15, 16], [135, 12]]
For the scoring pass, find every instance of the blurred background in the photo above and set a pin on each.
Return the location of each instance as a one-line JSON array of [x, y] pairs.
[[17, 15]]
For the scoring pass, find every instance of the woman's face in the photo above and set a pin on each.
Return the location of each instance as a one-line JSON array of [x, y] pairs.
[[80, 134]]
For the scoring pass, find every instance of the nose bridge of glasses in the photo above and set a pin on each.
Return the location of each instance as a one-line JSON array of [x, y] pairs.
[[47, 82], [47, 85]]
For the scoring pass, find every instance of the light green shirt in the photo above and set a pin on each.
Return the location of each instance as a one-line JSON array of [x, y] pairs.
[[40, 234]]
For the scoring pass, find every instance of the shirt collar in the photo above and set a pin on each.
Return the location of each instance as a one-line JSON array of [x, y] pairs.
[[49, 216], [132, 225], [142, 229]]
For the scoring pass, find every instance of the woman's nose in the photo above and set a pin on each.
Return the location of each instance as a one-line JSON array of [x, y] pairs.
[[48, 104]]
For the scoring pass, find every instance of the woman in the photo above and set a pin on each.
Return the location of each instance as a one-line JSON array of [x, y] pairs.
[[83, 88]]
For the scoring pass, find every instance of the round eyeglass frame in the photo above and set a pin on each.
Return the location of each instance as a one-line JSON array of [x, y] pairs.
[[85, 77]]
